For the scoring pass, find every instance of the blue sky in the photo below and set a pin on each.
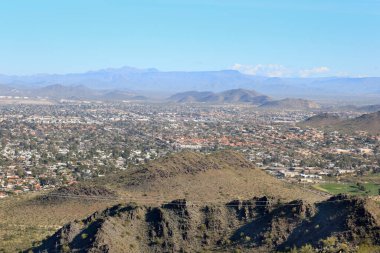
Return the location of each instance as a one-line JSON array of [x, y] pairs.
[[263, 37]]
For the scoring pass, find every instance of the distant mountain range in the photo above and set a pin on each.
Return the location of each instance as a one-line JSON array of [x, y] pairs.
[[58, 91], [228, 96], [367, 122], [127, 78], [244, 96], [80, 92]]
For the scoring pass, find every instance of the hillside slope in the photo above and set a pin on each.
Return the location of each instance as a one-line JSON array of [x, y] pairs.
[[221, 176]]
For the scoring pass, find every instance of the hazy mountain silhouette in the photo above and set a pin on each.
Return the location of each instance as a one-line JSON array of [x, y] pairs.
[[128, 78], [228, 96]]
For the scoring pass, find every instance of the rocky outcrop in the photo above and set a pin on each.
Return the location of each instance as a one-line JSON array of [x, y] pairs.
[[260, 224]]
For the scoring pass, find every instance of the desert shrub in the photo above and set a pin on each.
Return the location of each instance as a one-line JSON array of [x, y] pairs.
[[368, 248], [307, 248], [225, 241], [158, 241], [65, 248]]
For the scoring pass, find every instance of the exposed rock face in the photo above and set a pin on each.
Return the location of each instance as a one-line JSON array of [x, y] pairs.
[[347, 218], [259, 224]]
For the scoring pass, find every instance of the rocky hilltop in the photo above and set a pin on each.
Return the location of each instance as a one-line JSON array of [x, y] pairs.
[[259, 224]]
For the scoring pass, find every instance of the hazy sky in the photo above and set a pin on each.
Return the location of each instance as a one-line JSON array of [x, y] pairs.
[[264, 37]]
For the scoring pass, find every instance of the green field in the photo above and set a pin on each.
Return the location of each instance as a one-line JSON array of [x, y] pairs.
[[349, 188]]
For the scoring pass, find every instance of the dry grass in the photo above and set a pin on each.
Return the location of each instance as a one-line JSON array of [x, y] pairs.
[[221, 177], [221, 186], [23, 221]]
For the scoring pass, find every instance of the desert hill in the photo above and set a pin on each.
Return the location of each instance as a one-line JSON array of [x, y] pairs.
[[222, 175], [322, 120], [191, 96], [243, 96], [257, 224], [366, 122], [291, 104], [228, 96]]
